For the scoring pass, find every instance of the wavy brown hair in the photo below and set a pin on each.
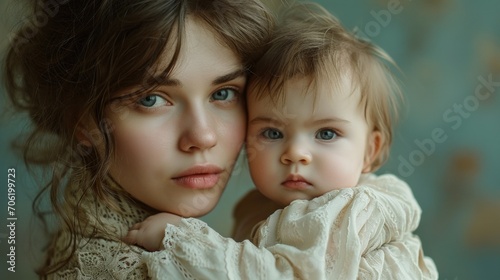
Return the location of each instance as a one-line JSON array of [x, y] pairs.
[[67, 60]]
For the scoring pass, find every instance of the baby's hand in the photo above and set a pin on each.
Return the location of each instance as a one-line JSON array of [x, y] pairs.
[[149, 233]]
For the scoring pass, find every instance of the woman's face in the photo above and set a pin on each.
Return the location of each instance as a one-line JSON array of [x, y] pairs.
[[175, 148]]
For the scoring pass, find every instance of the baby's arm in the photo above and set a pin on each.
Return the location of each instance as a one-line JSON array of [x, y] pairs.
[[399, 259], [195, 251], [149, 233]]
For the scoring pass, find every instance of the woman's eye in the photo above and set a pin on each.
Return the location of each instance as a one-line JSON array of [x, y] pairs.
[[272, 134], [152, 101], [326, 134], [226, 94]]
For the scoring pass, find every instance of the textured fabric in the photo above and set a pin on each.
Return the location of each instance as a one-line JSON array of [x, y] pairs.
[[358, 233], [99, 257]]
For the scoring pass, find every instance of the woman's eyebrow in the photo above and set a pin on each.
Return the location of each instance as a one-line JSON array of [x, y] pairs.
[[217, 81], [229, 77]]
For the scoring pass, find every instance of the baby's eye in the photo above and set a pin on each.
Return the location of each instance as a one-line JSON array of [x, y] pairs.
[[226, 94], [152, 101], [271, 133], [326, 134]]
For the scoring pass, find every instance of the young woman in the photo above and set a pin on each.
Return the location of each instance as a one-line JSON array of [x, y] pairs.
[[137, 107]]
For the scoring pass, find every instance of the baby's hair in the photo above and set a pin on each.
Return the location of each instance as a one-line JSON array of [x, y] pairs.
[[64, 73], [310, 42]]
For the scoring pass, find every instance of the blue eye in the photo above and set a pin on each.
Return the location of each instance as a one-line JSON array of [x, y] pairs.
[[151, 101], [326, 134], [271, 133], [225, 94]]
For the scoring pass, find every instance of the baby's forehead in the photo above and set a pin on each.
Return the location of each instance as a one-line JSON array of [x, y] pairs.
[[322, 88], [306, 104]]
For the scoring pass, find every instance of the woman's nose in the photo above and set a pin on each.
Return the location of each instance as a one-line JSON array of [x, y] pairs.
[[199, 133], [296, 153]]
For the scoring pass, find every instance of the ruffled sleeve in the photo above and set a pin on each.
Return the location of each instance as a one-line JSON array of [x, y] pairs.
[[398, 259], [195, 251], [344, 234]]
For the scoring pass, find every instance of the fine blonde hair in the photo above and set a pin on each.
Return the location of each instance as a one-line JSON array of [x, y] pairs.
[[310, 42], [68, 59]]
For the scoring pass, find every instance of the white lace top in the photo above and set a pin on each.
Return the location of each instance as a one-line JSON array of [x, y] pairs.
[[100, 257], [358, 233]]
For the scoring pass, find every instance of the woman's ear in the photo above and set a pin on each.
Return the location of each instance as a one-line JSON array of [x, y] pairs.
[[81, 136], [83, 133], [373, 148]]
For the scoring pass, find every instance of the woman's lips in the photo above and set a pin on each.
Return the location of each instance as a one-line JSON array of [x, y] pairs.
[[199, 177], [198, 181], [296, 182]]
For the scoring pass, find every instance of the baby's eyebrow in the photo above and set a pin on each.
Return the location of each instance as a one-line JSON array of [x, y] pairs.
[[330, 120], [266, 120]]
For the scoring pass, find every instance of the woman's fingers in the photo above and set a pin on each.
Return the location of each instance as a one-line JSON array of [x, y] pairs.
[[131, 237]]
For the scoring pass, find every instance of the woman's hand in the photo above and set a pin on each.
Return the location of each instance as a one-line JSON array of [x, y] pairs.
[[149, 234]]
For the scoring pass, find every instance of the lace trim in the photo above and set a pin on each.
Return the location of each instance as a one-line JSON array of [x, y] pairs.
[[100, 257]]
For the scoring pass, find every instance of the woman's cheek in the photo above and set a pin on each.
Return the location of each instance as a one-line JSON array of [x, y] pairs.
[[234, 130]]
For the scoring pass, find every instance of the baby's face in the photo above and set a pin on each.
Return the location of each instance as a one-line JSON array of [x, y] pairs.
[[310, 144]]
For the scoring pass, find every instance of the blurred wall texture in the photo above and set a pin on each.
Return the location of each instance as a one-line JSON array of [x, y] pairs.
[[447, 145]]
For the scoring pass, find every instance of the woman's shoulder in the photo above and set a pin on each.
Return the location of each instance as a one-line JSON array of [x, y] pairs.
[[96, 258]]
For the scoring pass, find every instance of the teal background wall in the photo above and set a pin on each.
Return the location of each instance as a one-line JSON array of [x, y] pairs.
[[447, 145]]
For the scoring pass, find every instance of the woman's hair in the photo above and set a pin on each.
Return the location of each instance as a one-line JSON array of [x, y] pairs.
[[310, 42], [68, 59]]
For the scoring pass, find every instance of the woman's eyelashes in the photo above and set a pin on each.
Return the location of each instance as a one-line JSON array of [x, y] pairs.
[[225, 95], [152, 101]]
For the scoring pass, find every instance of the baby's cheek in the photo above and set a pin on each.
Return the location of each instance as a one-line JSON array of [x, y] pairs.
[[342, 174], [253, 150], [260, 167]]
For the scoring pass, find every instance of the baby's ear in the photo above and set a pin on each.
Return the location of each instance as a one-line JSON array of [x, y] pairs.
[[373, 148]]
